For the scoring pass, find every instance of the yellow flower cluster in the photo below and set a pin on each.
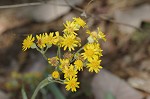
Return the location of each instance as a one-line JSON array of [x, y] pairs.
[[42, 41], [71, 62]]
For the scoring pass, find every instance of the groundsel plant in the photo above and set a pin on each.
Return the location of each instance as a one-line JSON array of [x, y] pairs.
[[70, 63]]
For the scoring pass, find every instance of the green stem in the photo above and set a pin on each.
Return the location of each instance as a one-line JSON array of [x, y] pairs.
[[42, 84], [58, 52], [46, 49], [61, 80], [56, 91], [78, 52], [38, 49], [24, 95], [42, 52]]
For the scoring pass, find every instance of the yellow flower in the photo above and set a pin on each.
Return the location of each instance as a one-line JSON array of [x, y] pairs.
[[93, 36], [64, 63], [79, 21], [58, 39], [94, 64], [55, 74], [70, 28], [98, 48], [41, 40], [50, 39], [78, 64], [96, 35], [90, 51], [72, 84], [70, 41], [28, 42], [70, 71], [101, 34]]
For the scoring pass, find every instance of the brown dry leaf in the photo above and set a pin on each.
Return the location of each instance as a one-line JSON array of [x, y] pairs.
[[139, 55], [105, 82], [140, 83], [145, 65]]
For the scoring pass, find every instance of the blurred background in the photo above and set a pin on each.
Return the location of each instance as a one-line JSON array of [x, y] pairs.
[[126, 53]]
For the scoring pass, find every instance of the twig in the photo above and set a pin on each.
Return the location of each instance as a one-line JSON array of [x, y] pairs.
[[21, 5], [113, 21], [104, 18], [88, 5], [84, 13], [74, 7], [29, 4]]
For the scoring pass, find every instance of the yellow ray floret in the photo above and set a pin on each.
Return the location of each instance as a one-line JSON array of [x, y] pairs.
[[70, 41], [72, 84], [101, 35], [58, 39], [94, 64], [78, 64], [96, 35], [91, 50], [70, 28], [28, 42], [70, 72], [50, 39], [41, 40], [64, 63], [79, 21]]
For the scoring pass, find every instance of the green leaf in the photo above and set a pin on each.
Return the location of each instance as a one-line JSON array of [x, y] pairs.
[[56, 91], [53, 87], [42, 84], [24, 95]]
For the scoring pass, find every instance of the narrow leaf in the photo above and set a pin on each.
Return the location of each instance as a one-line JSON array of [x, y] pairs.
[[40, 86], [24, 95]]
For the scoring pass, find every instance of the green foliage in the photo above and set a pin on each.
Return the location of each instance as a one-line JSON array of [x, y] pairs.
[[24, 95]]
